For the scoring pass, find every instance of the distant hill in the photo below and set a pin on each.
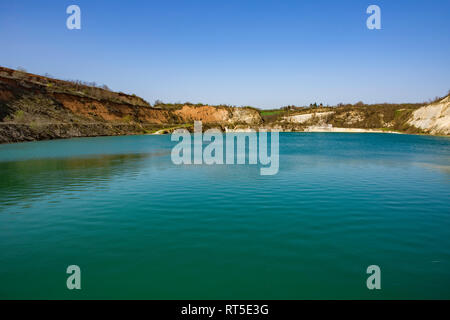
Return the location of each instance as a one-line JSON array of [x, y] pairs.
[[431, 118], [34, 107]]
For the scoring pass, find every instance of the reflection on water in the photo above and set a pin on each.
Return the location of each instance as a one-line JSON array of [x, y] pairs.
[[442, 167], [25, 180], [141, 227]]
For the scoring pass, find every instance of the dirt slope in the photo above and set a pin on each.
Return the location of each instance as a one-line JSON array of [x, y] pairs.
[[33, 107]]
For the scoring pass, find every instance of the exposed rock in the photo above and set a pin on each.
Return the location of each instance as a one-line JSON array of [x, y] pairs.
[[33, 107], [303, 118], [433, 118], [245, 115], [218, 114]]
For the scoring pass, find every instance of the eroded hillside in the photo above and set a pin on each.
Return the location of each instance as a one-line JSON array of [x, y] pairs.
[[406, 118], [433, 118], [34, 107]]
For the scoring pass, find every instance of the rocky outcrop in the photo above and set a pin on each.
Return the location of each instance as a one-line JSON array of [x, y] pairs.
[[17, 132], [407, 118], [206, 114], [33, 107], [303, 118], [245, 116], [218, 114], [433, 118]]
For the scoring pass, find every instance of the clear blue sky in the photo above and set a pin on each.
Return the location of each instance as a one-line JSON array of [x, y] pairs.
[[260, 53]]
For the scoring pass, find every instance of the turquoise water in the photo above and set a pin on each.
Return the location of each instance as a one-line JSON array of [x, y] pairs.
[[140, 227]]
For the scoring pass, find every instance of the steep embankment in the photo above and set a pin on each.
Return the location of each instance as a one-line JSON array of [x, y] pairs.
[[33, 107], [434, 118], [407, 118], [218, 115]]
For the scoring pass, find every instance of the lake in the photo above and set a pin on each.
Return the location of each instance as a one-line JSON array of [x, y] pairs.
[[140, 227]]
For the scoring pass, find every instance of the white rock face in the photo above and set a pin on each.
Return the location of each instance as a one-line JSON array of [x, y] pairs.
[[330, 128], [302, 118], [433, 118], [245, 115]]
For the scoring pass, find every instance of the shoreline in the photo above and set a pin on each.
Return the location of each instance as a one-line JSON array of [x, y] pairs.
[[320, 130], [58, 109], [347, 130]]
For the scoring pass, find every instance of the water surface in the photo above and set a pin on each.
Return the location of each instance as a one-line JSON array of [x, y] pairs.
[[140, 227]]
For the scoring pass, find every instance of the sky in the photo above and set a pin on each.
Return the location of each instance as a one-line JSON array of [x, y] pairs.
[[265, 54]]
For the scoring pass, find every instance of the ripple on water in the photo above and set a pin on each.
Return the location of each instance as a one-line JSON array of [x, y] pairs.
[[122, 210]]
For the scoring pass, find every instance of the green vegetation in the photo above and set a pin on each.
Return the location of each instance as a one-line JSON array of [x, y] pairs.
[[271, 112], [127, 119], [34, 107], [387, 117], [19, 115], [273, 115]]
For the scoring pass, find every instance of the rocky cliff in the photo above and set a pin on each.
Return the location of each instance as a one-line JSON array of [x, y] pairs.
[[433, 118], [34, 107]]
